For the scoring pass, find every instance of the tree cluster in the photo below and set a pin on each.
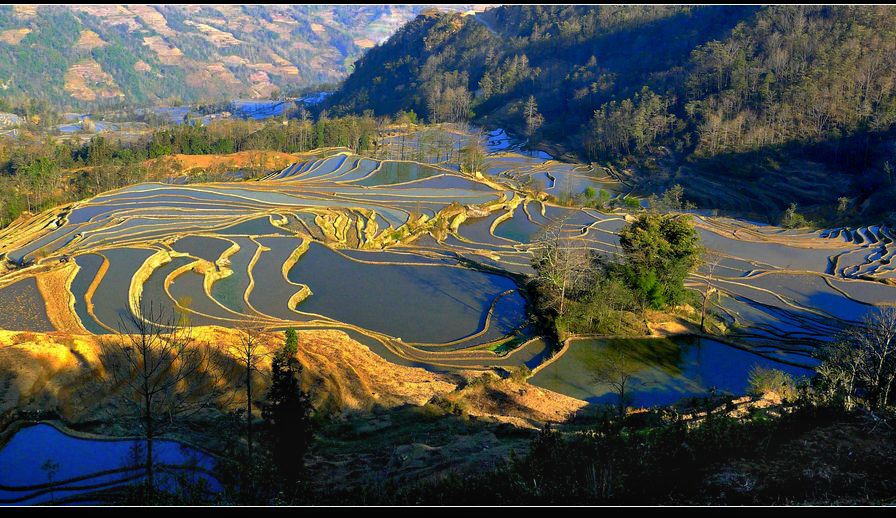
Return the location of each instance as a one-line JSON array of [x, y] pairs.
[[586, 292]]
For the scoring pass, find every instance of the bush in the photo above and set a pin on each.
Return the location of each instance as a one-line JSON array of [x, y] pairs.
[[521, 374], [455, 406], [793, 219], [603, 199], [672, 200], [764, 381], [631, 203]]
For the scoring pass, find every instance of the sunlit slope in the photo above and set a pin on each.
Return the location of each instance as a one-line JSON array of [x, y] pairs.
[[422, 263]]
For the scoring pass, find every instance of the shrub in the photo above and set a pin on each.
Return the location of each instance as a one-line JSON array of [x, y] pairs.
[[455, 406], [603, 198], [763, 381], [793, 219], [630, 202], [521, 374]]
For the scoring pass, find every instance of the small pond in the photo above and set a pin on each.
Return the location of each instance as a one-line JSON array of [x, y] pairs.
[[665, 370], [83, 466]]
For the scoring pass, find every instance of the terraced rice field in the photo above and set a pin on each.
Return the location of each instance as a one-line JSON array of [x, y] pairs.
[[89, 470], [415, 259], [664, 369]]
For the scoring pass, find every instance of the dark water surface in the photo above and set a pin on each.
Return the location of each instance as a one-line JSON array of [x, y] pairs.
[[665, 369]]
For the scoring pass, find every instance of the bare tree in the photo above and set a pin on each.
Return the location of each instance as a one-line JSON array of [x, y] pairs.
[[248, 351], [533, 119], [863, 358], [406, 120], [615, 368], [303, 116], [711, 260], [157, 371], [472, 155], [880, 343], [563, 263], [840, 370]]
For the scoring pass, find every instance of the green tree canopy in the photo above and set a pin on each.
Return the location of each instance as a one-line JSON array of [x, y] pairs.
[[287, 413], [659, 250], [291, 345]]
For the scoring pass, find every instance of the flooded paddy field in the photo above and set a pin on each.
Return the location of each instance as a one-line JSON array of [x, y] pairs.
[[22, 307], [664, 369], [88, 470], [427, 265], [418, 303], [89, 266]]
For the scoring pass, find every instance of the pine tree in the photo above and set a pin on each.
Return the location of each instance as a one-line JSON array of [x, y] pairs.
[[287, 413], [291, 345], [534, 119]]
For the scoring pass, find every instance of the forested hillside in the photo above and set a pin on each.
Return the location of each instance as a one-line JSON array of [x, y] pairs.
[[795, 103], [84, 56]]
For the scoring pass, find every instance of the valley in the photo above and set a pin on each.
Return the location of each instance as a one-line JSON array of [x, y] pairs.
[[453, 255]]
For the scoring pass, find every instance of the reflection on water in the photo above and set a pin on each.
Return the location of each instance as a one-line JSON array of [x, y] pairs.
[[73, 467], [417, 303], [398, 172], [664, 369], [89, 265], [111, 301], [518, 228]]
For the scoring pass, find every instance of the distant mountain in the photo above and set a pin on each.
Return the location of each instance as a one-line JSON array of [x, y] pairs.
[[87, 55], [748, 107]]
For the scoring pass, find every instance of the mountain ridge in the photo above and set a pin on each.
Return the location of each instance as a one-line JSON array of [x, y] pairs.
[[79, 56], [702, 96]]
